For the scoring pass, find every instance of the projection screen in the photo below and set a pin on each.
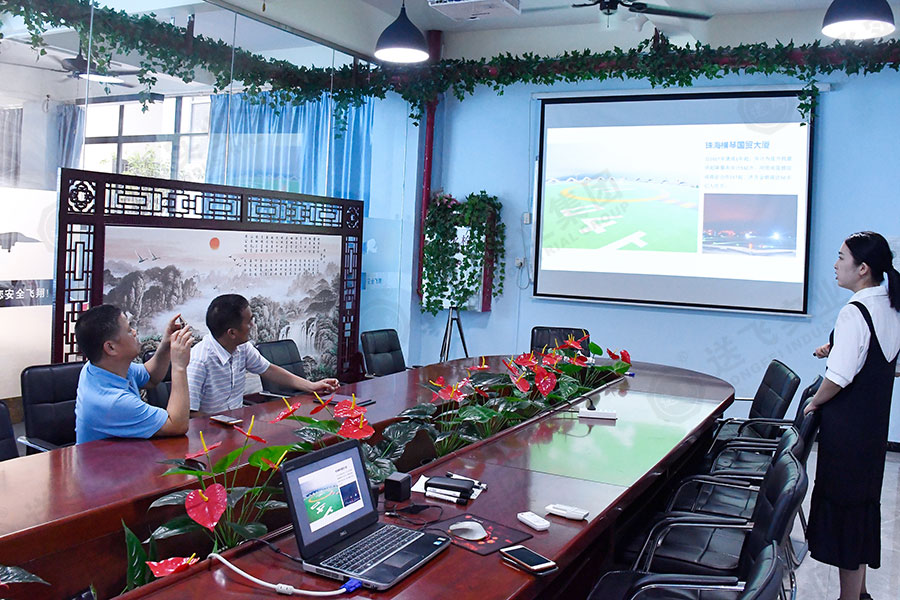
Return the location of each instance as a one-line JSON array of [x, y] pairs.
[[695, 200]]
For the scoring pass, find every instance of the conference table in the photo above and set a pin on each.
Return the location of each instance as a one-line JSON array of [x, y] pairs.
[[61, 512]]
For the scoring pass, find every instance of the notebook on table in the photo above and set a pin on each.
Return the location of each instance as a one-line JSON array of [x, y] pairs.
[[336, 523]]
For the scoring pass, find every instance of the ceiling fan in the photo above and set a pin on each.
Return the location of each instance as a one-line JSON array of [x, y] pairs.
[[609, 7], [77, 67]]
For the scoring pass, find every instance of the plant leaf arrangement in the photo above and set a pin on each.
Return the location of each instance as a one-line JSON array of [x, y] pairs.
[[10, 575], [165, 48], [453, 265]]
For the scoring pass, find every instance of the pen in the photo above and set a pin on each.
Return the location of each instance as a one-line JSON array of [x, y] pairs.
[[447, 497], [483, 486]]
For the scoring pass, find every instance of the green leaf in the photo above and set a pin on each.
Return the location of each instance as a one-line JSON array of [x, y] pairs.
[[567, 386], [270, 453], [180, 471], [248, 531], [137, 572], [173, 499], [401, 433], [312, 435], [378, 469], [419, 411], [235, 494], [478, 414], [19, 575], [595, 349], [329, 425], [177, 526], [271, 505], [226, 461]]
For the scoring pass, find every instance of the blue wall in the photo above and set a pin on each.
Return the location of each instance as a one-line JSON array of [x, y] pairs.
[[489, 142]]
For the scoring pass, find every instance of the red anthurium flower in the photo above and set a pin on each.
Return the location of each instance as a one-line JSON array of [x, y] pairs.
[[579, 360], [625, 356], [249, 432], [550, 359], [570, 343], [544, 381], [521, 383], [171, 565], [207, 506], [357, 429], [322, 403], [511, 368], [439, 382], [481, 392], [273, 465], [205, 450], [612, 354], [346, 409], [526, 360], [481, 367], [291, 409]]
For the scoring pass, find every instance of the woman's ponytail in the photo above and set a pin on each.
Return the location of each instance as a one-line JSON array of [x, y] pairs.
[[871, 248], [893, 278]]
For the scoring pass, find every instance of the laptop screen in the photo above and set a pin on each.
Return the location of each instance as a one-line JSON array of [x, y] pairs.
[[329, 494]]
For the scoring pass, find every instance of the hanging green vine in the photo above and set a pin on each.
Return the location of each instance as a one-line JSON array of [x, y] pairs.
[[453, 265], [165, 48]]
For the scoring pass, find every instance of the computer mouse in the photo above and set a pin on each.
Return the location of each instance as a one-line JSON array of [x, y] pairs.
[[469, 530]]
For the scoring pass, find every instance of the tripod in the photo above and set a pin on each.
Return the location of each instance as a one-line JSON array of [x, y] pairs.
[[452, 315]]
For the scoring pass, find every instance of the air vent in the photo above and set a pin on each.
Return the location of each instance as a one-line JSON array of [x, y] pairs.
[[470, 10]]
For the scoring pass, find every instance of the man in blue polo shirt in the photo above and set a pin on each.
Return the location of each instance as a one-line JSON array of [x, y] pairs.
[[109, 402]]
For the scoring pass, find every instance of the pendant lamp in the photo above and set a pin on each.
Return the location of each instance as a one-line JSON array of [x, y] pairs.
[[401, 42], [858, 19]]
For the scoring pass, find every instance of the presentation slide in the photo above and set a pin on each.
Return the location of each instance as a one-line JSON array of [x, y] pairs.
[[330, 493], [685, 200]]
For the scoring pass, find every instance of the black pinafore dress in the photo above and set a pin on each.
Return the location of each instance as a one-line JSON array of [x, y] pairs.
[[845, 515]]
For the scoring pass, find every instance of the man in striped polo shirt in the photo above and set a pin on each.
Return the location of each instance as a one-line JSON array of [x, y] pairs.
[[220, 362]]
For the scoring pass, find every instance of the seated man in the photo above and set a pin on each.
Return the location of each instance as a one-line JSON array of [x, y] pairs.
[[219, 363], [109, 402]]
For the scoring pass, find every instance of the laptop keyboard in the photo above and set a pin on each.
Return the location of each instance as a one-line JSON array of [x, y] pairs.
[[372, 549]]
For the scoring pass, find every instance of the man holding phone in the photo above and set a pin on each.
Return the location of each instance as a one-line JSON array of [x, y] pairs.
[[220, 362], [108, 403]]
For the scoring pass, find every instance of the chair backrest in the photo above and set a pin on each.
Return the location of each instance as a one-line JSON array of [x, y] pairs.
[[777, 503], [774, 395], [790, 441], [48, 398], [382, 352], [159, 395], [809, 426], [806, 398], [764, 578], [7, 437], [552, 337], [285, 354]]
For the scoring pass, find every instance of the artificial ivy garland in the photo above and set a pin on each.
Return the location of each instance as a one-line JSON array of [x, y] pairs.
[[165, 48], [452, 266]]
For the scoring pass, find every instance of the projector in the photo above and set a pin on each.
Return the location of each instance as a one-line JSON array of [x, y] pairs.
[[471, 10]]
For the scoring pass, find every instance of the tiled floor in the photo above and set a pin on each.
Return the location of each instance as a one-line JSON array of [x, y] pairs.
[[817, 581]]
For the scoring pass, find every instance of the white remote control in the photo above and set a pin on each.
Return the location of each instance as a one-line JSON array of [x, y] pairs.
[[569, 512], [532, 520]]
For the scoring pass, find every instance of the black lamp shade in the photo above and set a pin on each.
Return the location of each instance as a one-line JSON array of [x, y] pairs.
[[858, 19], [401, 42]]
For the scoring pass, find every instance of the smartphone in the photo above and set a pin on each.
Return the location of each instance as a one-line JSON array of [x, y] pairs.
[[226, 420], [527, 559]]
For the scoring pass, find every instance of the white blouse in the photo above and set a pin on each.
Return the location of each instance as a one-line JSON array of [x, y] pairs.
[[851, 335]]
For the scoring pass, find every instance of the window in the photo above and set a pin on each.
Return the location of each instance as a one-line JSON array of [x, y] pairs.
[[169, 140]]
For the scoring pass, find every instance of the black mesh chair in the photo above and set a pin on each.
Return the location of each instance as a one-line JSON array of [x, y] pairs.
[[7, 437], [48, 398], [771, 401], [761, 580], [551, 337], [285, 354], [710, 545], [382, 352]]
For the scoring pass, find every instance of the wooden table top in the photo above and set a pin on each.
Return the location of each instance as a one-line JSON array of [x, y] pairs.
[[556, 458]]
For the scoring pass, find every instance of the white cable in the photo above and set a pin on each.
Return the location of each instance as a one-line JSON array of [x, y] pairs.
[[281, 588]]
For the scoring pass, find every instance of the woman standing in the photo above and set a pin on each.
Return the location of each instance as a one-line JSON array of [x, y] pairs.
[[855, 403]]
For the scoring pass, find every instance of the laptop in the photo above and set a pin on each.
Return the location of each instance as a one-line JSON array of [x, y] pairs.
[[336, 523]]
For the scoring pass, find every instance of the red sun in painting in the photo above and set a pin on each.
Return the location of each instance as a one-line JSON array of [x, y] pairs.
[[214, 243]]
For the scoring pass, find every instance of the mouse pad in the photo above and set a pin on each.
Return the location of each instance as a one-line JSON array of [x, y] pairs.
[[499, 536]]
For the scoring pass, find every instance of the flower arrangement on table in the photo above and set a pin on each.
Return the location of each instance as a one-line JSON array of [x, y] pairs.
[[460, 413]]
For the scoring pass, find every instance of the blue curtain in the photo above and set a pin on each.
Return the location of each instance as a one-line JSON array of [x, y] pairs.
[[70, 135], [290, 148]]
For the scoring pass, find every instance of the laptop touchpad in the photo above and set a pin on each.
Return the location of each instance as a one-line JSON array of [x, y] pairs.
[[401, 559]]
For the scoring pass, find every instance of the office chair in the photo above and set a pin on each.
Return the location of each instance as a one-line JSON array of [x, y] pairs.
[[7, 437], [48, 397], [760, 579], [285, 354], [771, 401], [551, 337], [382, 352]]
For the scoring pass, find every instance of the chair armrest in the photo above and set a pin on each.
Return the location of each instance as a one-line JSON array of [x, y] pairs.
[[760, 448], [739, 476], [723, 481], [760, 421], [682, 581], [664, 525], [37, 443]]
